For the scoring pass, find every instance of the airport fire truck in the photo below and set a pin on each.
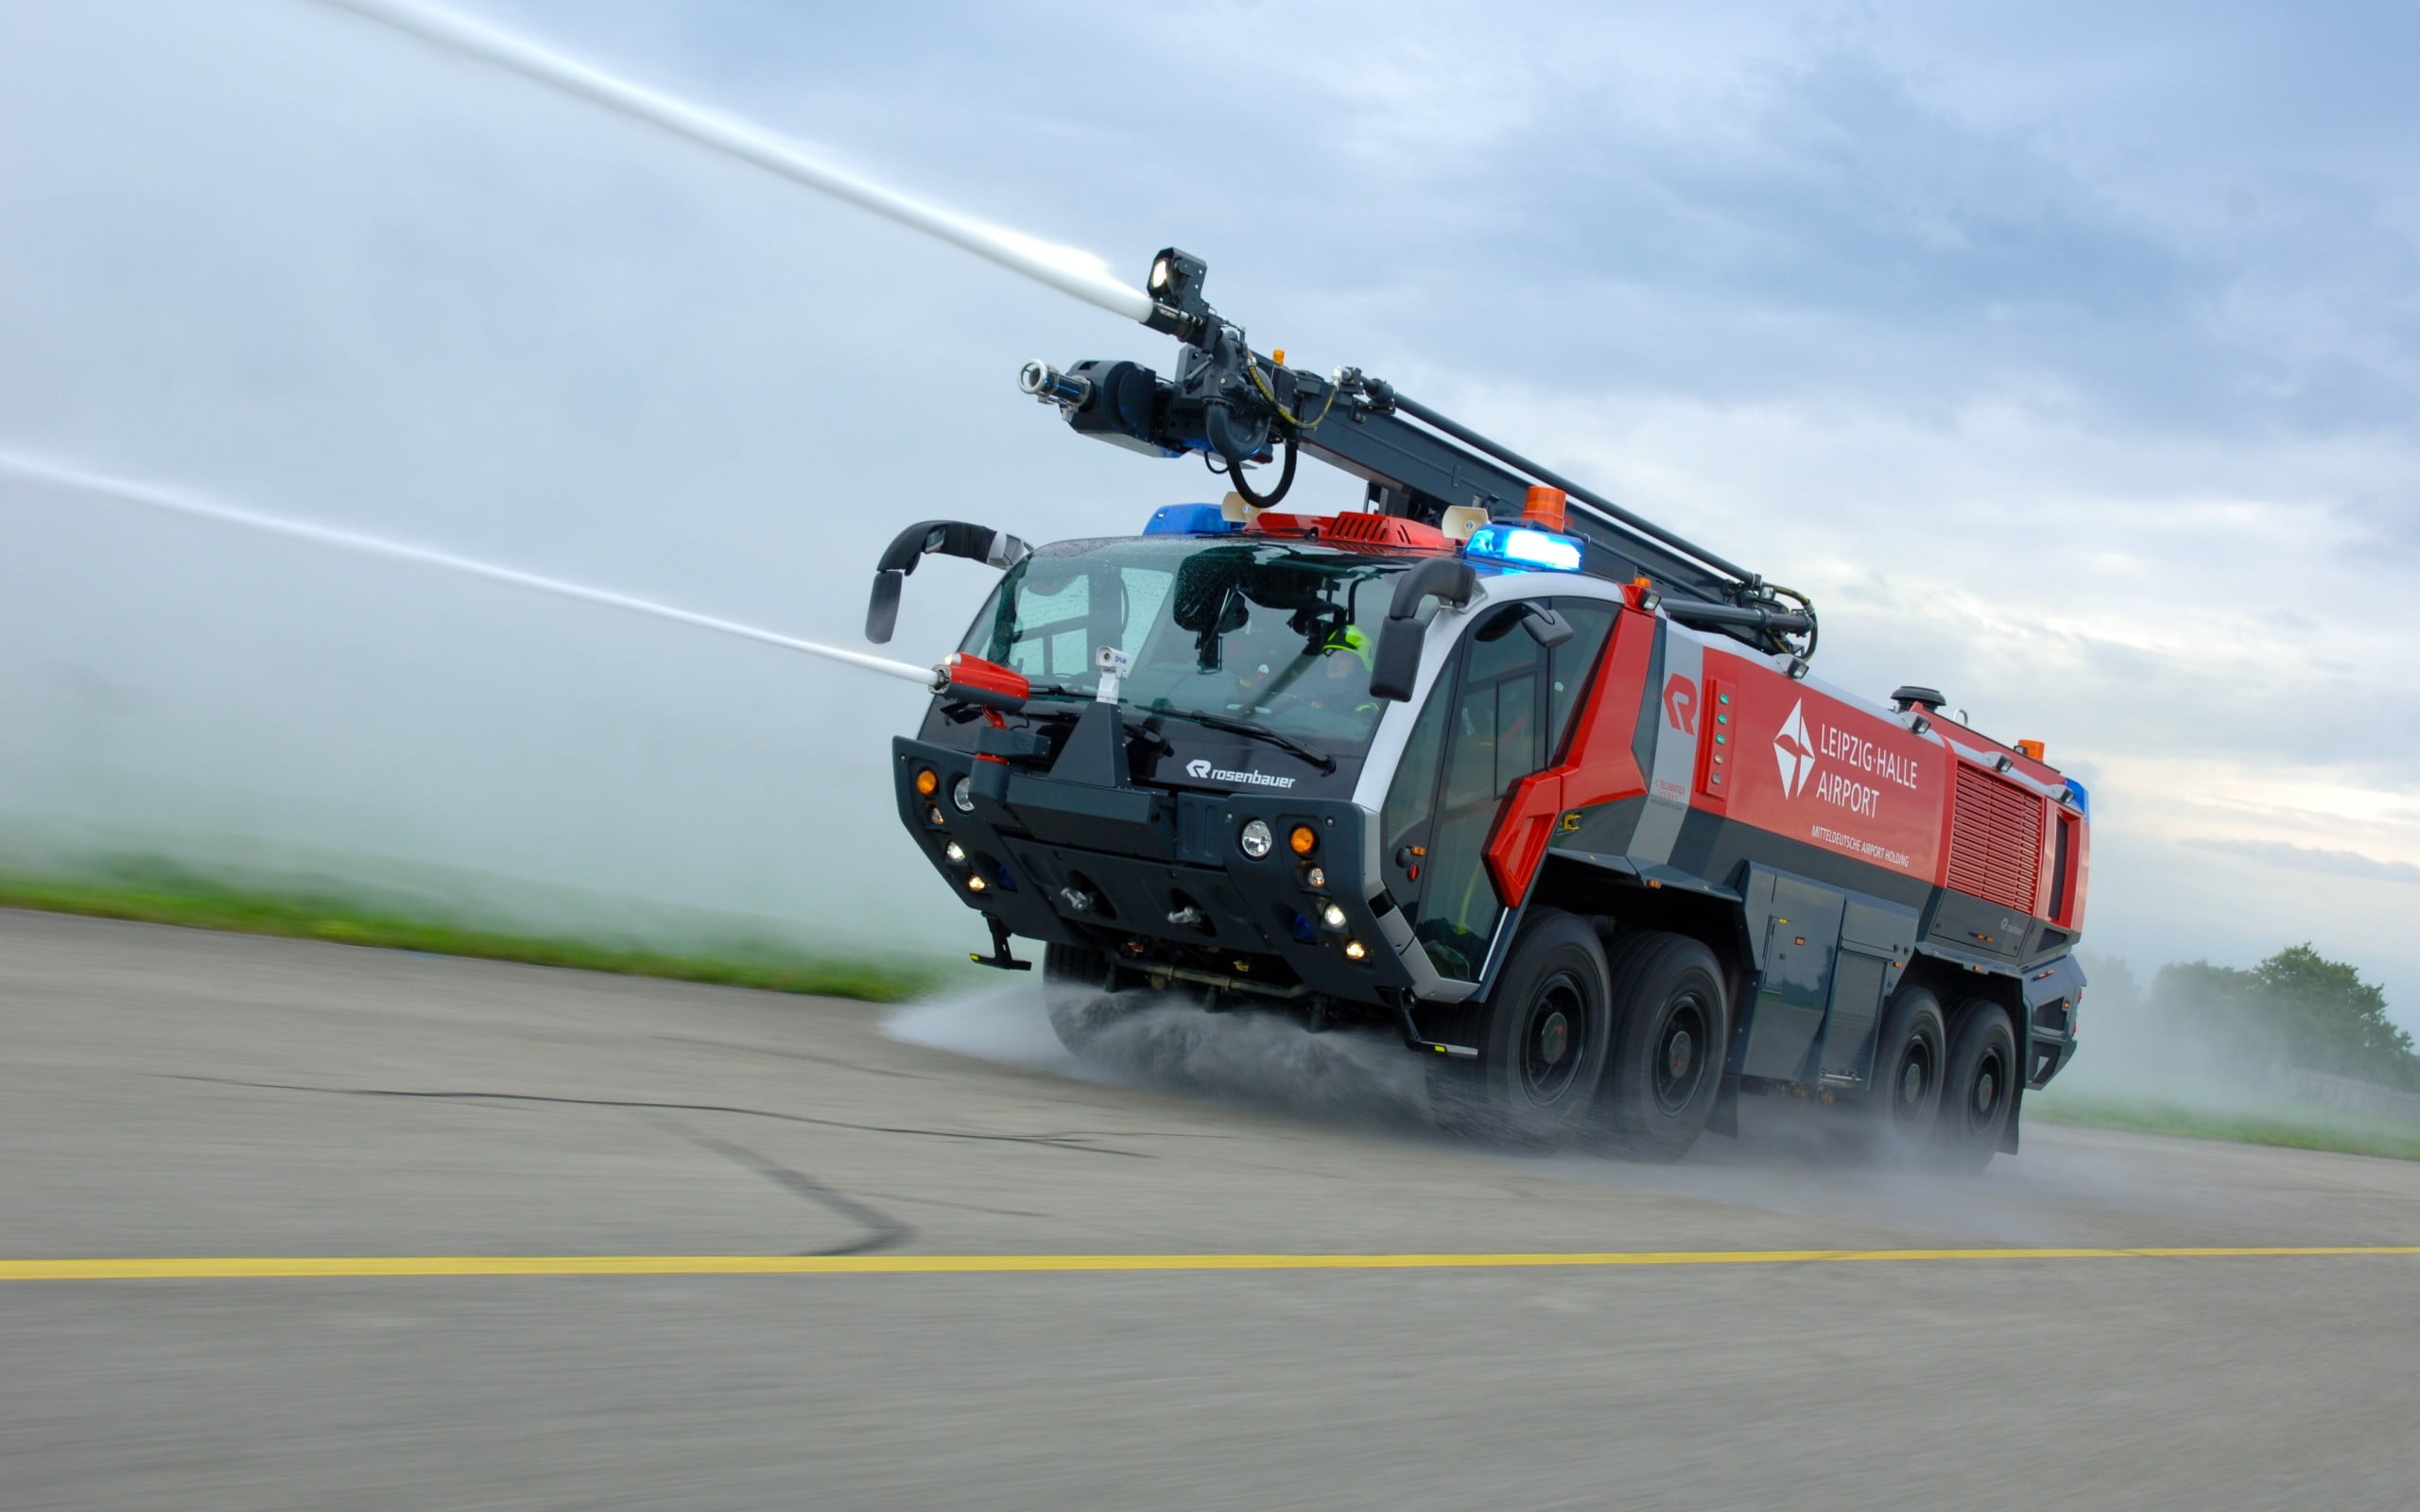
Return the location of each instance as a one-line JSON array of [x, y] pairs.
[[1492, 762]]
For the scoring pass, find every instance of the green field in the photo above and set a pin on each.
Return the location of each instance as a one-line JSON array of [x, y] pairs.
[[2296, 1125], [160, 894]]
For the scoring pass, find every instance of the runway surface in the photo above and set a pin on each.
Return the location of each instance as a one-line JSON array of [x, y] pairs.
[[421, 1232]]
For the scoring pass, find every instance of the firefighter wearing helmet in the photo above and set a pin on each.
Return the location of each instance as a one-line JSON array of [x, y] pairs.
[[1342, 683]]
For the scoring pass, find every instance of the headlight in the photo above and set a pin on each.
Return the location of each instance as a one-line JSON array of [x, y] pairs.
[[962, 794], [1332, 916], [1257, 839], [956, 853]]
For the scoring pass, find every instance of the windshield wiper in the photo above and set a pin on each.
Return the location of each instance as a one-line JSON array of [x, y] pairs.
[[1127, 723], [1320, 759]]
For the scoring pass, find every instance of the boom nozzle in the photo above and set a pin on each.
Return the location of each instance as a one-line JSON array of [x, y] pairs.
[[1048, 385]]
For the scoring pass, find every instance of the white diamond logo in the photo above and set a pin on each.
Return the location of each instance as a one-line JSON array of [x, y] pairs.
[[1795, 752]]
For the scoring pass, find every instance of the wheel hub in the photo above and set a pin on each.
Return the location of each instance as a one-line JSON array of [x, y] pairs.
[[1554, 1037], [1678, 1073], [1678, 1055], [1912, 1083], [1987, 1092]]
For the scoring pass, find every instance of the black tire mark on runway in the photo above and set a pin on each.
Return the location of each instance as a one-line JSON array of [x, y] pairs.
[[1058, 1142], [883, 1231]]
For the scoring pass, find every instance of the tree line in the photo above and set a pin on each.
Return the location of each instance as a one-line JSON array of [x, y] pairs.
[[2296, 1008]]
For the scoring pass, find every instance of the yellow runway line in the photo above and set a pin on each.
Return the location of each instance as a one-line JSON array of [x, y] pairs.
[[245, 1267]]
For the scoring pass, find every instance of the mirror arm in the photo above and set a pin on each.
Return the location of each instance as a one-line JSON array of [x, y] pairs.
[[930, 538], [1396, 664], [1548, 628]]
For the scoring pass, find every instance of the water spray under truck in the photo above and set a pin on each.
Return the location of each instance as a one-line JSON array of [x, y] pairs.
[[1492, 762]]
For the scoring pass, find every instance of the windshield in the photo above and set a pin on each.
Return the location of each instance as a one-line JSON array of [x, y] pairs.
[[1257, 631]]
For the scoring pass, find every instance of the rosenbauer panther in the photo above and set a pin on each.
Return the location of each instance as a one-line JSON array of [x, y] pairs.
[[1493, 762]]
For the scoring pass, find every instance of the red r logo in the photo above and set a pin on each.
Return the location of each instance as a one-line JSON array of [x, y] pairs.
[[1680, 704]]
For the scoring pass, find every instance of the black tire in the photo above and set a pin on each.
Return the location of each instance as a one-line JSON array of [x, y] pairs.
[[1081, 990], [1674, 1032], [1544, 1041], [1978, 1088], [1910, 1056]]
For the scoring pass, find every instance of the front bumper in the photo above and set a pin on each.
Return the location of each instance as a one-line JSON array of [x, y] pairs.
[[1155, 876]]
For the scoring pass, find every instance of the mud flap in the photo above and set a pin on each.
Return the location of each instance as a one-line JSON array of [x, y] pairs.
[[1724, 1118]]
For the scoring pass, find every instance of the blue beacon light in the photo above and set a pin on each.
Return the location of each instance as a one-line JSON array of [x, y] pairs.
[[1189, 520], [1523, 546]]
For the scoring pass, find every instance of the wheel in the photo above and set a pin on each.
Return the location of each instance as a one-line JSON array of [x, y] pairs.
[[1977, 1087], [1908, 1056], [1674, 1031], [1542, 1044], [1081, 990]]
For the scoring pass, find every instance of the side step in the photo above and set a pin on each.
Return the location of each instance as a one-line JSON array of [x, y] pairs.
[[1000, 957], [1411, 1037]]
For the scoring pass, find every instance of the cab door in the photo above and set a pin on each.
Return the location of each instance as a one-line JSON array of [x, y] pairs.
[[1486, 726]]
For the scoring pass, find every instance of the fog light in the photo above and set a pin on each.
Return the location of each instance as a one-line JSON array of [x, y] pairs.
[[1304, 840], [962, 794], [975, 885], [956, 853], [1333, 916], [1353, 951], [928, 782], [1257, 839]]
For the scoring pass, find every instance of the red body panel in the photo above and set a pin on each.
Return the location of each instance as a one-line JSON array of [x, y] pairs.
[[1599, 767], [1793, 761], [1813, 768]]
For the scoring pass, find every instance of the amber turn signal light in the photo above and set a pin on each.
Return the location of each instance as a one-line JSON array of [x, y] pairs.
[[1304, 840], [928, 782]]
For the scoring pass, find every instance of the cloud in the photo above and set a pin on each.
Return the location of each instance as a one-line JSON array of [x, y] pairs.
[[2308, 858]]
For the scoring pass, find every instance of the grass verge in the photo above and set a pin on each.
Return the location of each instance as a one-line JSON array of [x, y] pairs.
[[2292, 1126], [160, 895]]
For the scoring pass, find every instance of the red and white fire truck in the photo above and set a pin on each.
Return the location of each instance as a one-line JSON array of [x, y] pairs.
[[1535, 783]]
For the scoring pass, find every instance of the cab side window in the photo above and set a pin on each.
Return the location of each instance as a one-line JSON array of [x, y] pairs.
[[1570, 665], [1494, 737]]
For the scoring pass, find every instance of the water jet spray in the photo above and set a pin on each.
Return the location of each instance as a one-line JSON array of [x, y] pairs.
[[152, 496]]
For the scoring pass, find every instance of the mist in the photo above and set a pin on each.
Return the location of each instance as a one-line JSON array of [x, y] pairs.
[[2139, 1048]]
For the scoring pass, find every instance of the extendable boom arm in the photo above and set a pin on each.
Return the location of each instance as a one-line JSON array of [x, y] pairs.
[[1227, 402]]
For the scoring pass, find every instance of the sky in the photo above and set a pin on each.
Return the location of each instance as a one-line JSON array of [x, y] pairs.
[[2066, 355]]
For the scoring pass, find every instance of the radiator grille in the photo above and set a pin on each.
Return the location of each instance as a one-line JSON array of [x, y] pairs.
[[1995, 840]]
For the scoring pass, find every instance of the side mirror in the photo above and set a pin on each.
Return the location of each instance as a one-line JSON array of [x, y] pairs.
[[945, 538], [882, 613], [1395, 665]]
